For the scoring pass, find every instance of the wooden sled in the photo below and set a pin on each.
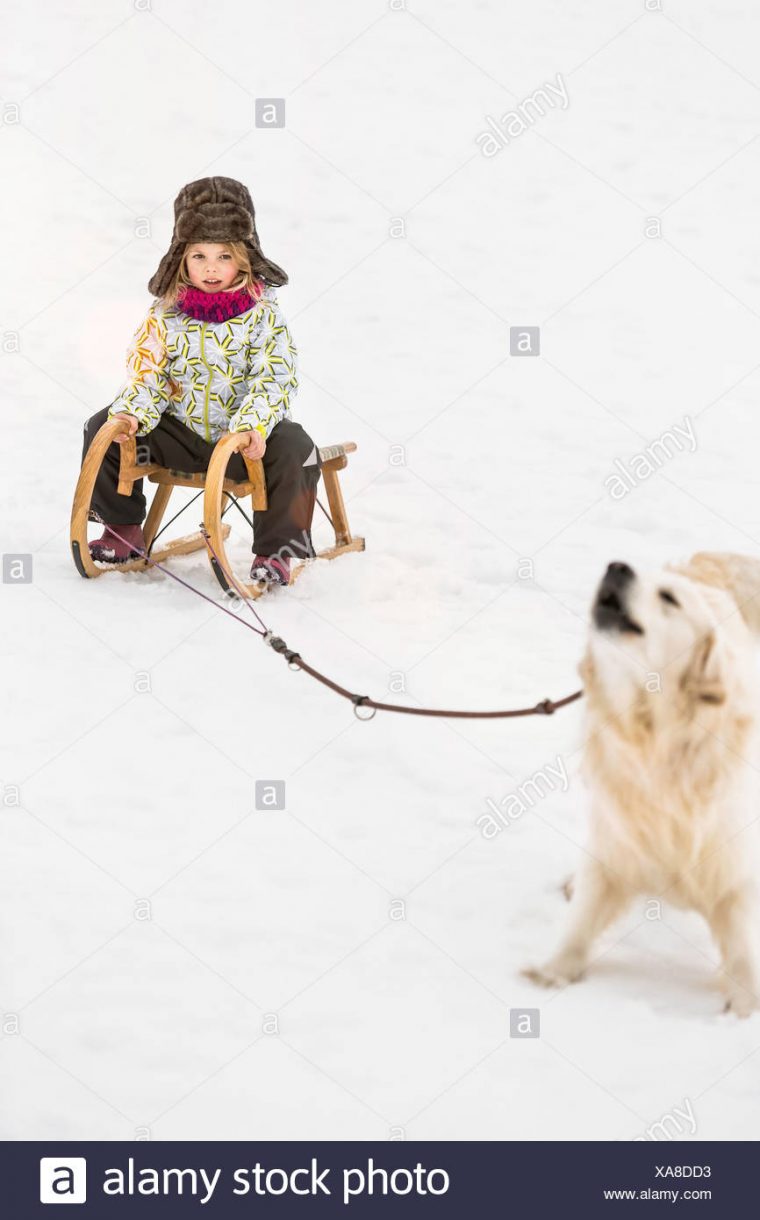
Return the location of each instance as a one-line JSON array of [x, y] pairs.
[[216, 488]]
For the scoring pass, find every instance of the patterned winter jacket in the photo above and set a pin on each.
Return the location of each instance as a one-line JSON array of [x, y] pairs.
[[216, 377]]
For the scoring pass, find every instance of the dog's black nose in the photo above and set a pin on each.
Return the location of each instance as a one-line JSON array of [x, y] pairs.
[[618, 574], [610, 611]]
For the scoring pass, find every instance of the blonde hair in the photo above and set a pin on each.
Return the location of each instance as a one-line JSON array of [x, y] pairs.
[[246, 278]]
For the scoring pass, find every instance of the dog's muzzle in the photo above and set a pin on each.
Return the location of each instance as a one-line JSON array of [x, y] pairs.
[[610, 608]]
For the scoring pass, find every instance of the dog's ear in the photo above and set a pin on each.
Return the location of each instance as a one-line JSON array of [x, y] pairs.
[[737, 575], [703, 678]]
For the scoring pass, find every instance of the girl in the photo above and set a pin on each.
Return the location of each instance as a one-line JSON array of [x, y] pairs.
[[213, 354]]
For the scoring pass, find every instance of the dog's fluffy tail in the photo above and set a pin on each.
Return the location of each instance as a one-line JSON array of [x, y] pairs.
[[739, 575]]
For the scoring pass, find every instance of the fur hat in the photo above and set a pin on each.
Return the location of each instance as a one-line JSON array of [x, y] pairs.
[[214, 210]]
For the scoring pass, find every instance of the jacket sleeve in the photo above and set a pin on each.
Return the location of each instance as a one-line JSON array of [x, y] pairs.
[[272, 371], [146, 392]]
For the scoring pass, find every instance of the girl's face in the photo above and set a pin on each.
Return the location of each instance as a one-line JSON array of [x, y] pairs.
[[211, 267]]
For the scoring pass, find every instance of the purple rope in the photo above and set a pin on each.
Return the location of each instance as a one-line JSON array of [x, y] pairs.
[[186, 583], [247, 600]]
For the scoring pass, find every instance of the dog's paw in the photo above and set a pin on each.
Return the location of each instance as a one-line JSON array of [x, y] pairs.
[[740, 992], [741, 1003], [559, 972]]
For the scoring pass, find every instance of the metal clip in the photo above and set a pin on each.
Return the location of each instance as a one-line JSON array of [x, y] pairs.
[[359, 701]]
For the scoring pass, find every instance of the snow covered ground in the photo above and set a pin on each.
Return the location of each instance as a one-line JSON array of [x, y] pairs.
[[274, 992]]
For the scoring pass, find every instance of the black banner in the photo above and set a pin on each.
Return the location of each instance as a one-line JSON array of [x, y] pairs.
[[479, 1180]]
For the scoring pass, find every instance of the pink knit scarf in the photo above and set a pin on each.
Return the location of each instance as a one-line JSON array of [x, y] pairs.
[[217, 306]]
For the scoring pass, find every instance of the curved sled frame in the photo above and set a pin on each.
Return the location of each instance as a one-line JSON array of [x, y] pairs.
[[216, 487], [129, 473], [333, 458]]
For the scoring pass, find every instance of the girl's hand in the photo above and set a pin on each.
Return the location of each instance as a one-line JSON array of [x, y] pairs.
[[134, 424], [256, 446]]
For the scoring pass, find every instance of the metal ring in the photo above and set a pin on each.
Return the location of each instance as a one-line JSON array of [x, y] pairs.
[[358, 701]]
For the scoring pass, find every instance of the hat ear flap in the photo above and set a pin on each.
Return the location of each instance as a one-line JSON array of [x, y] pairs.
[[704, 678], [162, 278]]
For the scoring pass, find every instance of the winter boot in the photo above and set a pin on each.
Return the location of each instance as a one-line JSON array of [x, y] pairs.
[[118, 544], [271, 570]]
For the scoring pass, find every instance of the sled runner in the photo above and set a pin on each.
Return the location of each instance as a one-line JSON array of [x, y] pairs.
[[219, 495]]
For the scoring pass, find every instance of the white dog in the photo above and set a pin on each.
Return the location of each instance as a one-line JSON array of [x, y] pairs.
[[671, 756]]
